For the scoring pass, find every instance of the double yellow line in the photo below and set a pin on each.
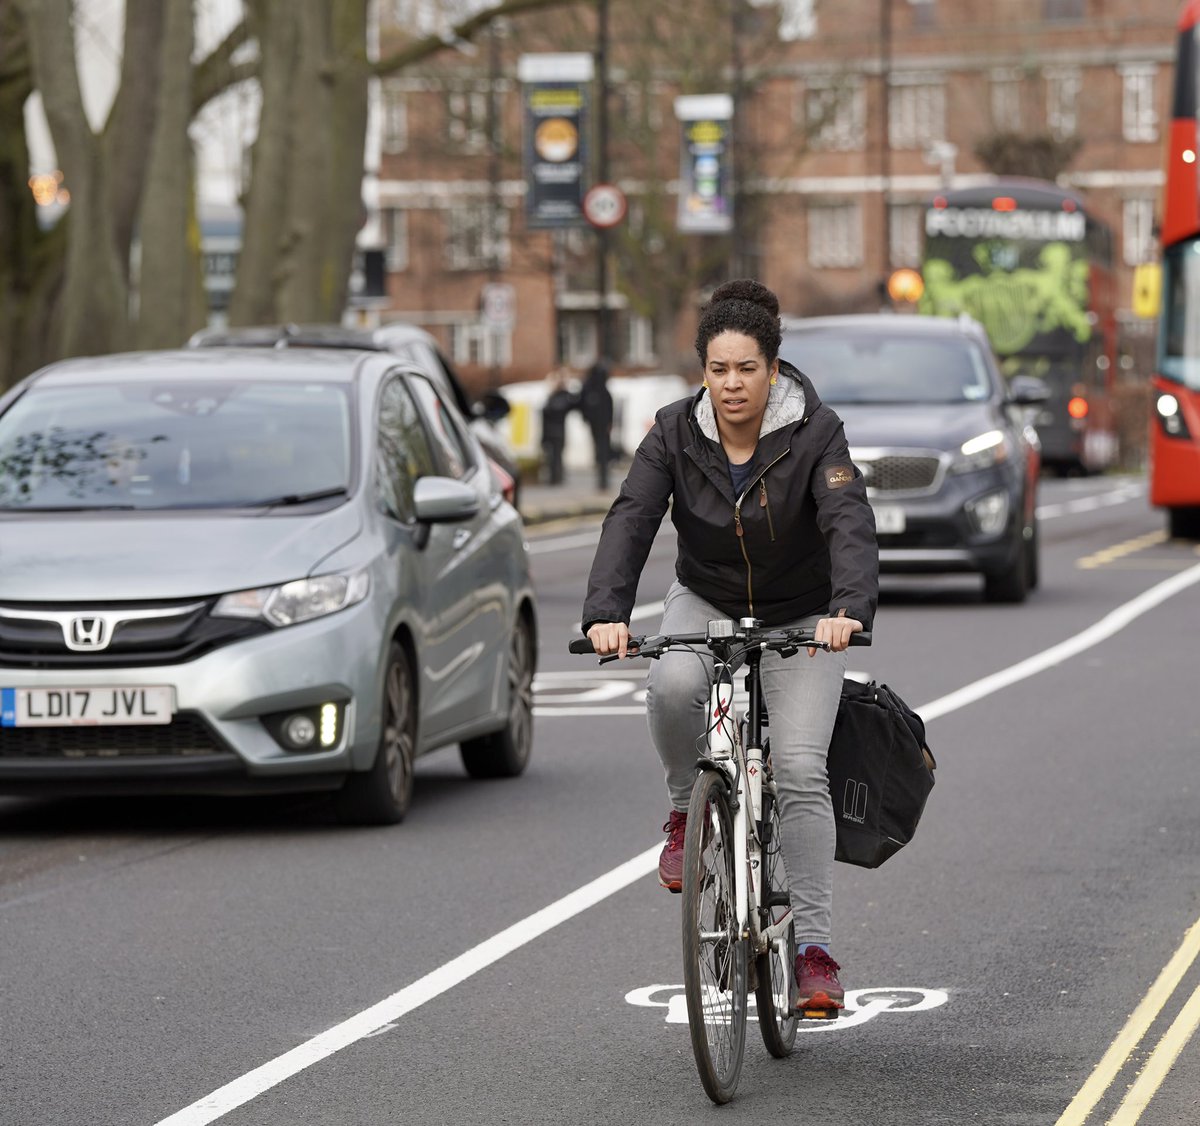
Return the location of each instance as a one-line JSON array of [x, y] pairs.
[[1117, 551], [1160, 1060]]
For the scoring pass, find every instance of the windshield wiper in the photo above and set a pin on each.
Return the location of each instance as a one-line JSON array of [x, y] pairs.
[[70, 508], [289, 499]]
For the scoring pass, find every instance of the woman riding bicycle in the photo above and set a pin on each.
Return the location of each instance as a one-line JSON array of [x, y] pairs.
[[773, 523]]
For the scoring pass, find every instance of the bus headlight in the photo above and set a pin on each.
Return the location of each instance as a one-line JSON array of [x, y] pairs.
[[982, 452], [1170, 417]]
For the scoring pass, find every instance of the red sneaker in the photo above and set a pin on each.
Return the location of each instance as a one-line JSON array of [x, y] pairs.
[[817, 984], [670, 860]]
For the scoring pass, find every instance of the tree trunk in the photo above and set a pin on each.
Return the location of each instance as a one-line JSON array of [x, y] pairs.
[[93, 317], [169, 271], [266, 204]]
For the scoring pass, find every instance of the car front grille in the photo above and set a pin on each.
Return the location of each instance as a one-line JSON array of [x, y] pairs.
[[177, 632], [185, 736], [901, 473]]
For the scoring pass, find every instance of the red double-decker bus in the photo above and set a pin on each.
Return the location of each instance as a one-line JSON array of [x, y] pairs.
[[1175, 414]]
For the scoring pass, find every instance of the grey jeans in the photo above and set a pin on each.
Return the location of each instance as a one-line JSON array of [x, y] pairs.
[[802, 696]]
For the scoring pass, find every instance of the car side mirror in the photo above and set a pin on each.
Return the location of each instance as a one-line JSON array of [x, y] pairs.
[[1027, 391], [442, 500], [492, 407]]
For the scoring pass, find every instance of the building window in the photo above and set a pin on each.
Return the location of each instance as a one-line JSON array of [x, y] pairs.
[[1006, 101], [395, 118], [467, 121], [906, 224], [473, 342], [924, 14], [1138, 229], [916, 111], [639, 343], [797, 19], [1054, 10], [471, 241], [1139, 119], [1062, 101], [395, 232], [835, 235], [835, 112]]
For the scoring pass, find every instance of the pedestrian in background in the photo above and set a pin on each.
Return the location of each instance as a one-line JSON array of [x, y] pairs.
[[596, 403], [560, 402]]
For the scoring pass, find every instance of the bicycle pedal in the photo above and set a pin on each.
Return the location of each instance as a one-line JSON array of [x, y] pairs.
[[818, 1014]]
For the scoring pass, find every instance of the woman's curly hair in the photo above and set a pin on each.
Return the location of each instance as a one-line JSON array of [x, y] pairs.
[[744, 306]]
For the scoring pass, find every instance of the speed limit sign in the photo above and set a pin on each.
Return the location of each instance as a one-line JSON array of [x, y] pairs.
[[604, 205]]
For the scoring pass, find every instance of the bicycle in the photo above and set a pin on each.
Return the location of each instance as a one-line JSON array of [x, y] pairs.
[[736, 907]]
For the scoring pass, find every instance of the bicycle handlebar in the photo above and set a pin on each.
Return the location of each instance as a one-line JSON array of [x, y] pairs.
[[753, 635]]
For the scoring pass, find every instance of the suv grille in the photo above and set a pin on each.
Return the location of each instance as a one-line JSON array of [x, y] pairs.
[[185, 735], [900, 473]]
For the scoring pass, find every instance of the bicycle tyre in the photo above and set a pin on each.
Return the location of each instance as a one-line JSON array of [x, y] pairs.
[[775, 969], [715, 959]]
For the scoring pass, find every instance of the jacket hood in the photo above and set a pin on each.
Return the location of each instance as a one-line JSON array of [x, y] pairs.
[[107, 557], [786, 403]]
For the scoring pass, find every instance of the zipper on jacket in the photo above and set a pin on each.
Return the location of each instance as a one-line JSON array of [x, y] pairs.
[[737, 527], [762, 503], [740, 532]]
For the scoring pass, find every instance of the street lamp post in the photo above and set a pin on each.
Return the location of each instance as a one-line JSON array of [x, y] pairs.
[[603, 318]]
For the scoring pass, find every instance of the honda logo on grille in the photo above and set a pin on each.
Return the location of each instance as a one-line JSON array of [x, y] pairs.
[[88, 633]]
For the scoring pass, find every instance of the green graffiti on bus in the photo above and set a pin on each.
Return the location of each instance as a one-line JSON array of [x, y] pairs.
[[1013, 305]]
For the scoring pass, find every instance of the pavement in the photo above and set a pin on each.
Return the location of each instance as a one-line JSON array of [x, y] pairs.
[[578, 495]]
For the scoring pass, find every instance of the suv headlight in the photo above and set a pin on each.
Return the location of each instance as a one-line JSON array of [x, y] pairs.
[[298, 601], [982, 452]]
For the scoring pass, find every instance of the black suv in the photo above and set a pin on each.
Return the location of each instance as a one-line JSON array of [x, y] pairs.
[[950, 459]]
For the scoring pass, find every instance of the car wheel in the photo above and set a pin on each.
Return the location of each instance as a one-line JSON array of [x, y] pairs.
[[382, 795], [1011, 584], [1183, 523], [505, 753]]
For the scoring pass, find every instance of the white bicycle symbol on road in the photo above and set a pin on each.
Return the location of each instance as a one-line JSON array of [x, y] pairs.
[[861, 1004]]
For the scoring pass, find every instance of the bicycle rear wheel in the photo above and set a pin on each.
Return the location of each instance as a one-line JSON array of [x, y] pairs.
[[775, 967], [715, 965]]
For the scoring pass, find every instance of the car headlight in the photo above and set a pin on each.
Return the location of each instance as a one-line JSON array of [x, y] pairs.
[[982, 452], [298, 601]]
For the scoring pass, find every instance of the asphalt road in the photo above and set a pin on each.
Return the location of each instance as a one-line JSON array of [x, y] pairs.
[[505, 955]]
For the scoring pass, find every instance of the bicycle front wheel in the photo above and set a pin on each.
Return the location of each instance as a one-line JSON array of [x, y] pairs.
[[715, 967], [777, 1020]]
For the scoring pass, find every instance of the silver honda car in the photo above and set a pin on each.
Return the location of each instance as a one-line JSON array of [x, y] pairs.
[[235, 570]]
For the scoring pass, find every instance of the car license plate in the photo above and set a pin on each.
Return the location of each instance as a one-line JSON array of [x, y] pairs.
[[82, 707], [889, 519]]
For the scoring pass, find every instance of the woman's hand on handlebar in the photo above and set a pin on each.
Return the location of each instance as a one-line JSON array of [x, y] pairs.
[[610, 637], [836, 633]]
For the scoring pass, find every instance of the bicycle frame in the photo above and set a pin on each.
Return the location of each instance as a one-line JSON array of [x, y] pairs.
[[735, 749]]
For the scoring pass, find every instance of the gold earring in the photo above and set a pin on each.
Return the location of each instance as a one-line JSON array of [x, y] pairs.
[[774, 380], [705, 383]]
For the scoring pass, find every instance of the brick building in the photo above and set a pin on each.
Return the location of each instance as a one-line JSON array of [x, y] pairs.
[[850, 116]]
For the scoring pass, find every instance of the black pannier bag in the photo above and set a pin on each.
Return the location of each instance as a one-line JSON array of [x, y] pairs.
[[880, 773]]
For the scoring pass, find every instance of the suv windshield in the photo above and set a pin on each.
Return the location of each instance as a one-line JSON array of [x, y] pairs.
[[168, 445], [857, 366]]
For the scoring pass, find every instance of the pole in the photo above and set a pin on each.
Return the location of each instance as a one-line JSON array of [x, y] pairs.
[[603, 319], [493, 129], [885, 140], [736, 250]]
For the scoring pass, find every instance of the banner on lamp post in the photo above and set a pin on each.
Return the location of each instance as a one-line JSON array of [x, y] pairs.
[[554, 94], [706, 163]]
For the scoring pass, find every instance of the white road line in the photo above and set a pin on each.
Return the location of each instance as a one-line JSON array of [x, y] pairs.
[[564, 543], [249, 1086], [363, 1024], [1119, 495]]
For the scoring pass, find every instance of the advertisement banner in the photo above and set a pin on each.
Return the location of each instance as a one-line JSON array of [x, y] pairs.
[[706, 164], [554, 94]]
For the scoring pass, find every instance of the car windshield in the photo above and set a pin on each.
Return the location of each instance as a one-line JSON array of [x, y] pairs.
[[856, 366], [170, 445]]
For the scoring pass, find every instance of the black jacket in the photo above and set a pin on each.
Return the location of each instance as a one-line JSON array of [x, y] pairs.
[[799, 541]]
